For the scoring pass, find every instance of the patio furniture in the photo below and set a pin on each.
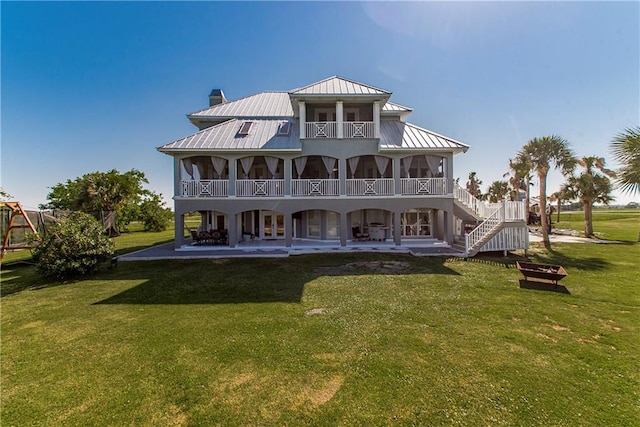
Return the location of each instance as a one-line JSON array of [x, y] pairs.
[[359, 235]]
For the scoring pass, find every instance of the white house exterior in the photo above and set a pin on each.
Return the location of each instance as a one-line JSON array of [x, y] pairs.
[[324, 162]]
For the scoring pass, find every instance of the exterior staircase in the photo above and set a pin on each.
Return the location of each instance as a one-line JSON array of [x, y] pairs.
[[505, 220]]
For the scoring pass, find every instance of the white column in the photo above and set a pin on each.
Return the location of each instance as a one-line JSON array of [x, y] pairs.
[[233, 175], [376, 119], [287, 177], [303, 119], [339, 119]]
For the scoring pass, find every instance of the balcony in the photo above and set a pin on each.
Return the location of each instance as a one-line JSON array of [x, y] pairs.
[[374, 187], [260, 188], [315, 187], [416, 186], [330, 130], [370, 187]]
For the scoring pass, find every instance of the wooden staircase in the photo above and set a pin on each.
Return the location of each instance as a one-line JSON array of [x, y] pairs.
[[492, 218]]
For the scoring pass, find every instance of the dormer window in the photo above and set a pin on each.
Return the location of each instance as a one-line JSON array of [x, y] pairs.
[[284, 128], [244, 129]]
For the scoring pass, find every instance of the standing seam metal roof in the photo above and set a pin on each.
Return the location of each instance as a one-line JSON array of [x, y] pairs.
[[263, 135], [339, 86], [263, 104], [395, 135]]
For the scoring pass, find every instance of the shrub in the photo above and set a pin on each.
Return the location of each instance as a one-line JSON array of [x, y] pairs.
[[74, 246], [154, 215]]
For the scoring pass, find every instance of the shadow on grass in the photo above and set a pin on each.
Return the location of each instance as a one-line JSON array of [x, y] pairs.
[[496, 259], [543, 286], [558, 258], [249, 280]]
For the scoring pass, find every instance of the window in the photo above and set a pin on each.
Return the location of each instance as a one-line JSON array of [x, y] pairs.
[[351, 115], [284, 128], [244, 129], [325, 115]]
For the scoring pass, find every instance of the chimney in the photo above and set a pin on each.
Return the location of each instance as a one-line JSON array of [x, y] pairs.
[[216, 97]]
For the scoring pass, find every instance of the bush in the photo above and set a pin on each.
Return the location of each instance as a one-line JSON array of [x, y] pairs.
[[154, 215], [74, 246]]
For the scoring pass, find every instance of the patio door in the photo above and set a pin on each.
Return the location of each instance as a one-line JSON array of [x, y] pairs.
[[271, 225]]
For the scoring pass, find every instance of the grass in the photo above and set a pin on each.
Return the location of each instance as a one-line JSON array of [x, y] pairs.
[[348, 339], [610, 224]]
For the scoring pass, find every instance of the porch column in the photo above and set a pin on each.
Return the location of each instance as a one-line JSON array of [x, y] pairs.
[[448, 171], [287, 177], [345, 228], [397, 177], [342, 176], [233, 175], [397, 228], [339, 119], [179, 230], [233, 230], [448, 227], [177, 191], [376, 119], [288, 230], [303, 119]]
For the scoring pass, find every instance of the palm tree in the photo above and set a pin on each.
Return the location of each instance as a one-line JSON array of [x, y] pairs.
[[497, 191], [626, 150], [591, 186], [543, 153], [521, 177], [473, 185]]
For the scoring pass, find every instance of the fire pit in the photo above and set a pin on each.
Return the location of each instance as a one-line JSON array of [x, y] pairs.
[[553, 273]]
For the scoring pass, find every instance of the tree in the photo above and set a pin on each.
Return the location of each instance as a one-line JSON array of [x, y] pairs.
[[544, 153], [154, 214], [591, 186], [473, 185], [497, 191], [626, 151], [521, 177], [73, 246], [4, 195], [98, 191]]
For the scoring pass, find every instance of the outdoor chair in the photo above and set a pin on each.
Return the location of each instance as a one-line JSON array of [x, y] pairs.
[[359, 235]]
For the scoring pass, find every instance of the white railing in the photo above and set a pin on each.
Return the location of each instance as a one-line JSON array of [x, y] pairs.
[[321, 129], [205, 188], [358, 129], [480, 207], [507, 239], [514, 211], [419, 186], [370, 187], [315, 187], [259, 187], [474, 239]]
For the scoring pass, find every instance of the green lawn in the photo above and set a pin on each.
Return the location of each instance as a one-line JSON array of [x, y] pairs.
[[611, 224], [340, 339]]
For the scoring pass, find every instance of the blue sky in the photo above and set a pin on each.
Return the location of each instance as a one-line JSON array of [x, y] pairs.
[[96, 86]]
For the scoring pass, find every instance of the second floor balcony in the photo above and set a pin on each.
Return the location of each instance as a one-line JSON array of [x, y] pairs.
[[330, 129], [373, 187], [313, 176]]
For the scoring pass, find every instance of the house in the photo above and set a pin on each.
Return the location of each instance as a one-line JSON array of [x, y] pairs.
[[331, 162]]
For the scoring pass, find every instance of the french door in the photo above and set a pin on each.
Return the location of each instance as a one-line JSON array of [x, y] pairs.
[[271, 225]]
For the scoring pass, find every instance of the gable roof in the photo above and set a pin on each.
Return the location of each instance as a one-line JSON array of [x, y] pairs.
[[339, 86], [263, 104], [399, 136], [262, 135]]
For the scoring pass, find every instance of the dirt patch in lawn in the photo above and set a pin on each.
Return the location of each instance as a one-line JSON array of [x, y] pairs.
[[380, 267]]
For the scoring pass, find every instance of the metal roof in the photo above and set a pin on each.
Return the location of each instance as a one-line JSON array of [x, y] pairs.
[[393, 107], [397, 135], [263, 104], [262, 135], [339, 86]]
